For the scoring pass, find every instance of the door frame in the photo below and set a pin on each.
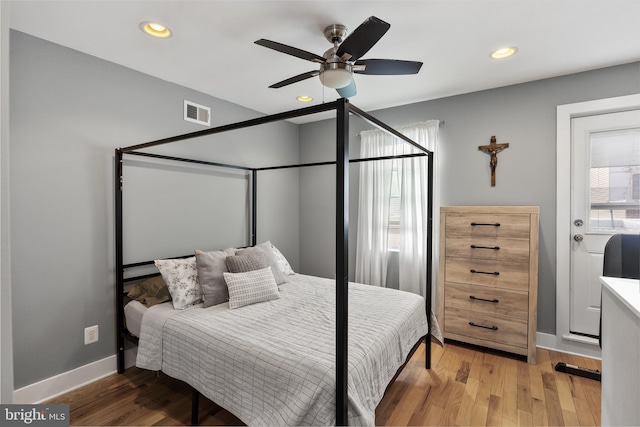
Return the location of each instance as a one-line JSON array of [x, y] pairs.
[[565, 340]]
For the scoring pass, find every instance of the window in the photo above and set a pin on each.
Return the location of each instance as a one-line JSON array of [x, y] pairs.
[[393, 233], [614, 180]]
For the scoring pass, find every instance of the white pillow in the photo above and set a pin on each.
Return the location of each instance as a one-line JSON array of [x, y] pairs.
[[285, 267], [251, 287], [181, 277]]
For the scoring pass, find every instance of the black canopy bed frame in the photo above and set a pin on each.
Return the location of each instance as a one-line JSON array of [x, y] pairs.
[[343, 108]]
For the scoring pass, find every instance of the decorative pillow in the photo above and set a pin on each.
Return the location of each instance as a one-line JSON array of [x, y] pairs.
[[251, 287], [265, 249], [181, 277], [285, 267], [150, 292], [244, 263], [210, 266]]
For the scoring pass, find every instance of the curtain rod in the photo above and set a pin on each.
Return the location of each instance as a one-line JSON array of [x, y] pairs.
[[440, 124]]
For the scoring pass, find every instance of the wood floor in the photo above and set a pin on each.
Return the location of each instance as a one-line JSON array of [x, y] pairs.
[[466, 386]]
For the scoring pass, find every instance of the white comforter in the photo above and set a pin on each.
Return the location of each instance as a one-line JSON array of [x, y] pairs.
[[273, 363]]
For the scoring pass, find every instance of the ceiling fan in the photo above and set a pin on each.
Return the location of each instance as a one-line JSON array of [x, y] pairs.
[[338, 64]]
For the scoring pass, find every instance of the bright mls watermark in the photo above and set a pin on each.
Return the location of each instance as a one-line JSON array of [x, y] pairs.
[[34, 415]]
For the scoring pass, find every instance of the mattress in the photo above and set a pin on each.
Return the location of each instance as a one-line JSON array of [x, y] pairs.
[[133, 313], [273, 363]]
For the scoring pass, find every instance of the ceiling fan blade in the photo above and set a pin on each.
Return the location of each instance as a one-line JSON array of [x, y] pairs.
[[386, 66], [289, 50], [362, 39], [348, 91], [295, 79]]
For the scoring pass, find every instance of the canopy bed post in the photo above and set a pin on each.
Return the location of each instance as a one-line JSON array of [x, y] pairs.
[[428, 293], [119, 260], [195, 406], [429, 267], [254, 207], [342, 259]]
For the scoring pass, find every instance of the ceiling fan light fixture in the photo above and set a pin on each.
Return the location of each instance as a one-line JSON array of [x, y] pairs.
[[504, 52], [336, 75], [155, 29]]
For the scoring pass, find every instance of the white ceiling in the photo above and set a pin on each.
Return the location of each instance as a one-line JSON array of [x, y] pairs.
[[212, 49]]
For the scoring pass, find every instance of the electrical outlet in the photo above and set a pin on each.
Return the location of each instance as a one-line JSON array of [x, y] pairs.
[[91, 334]]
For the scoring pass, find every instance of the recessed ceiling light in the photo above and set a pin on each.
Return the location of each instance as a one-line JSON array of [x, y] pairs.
[[304, 98], [155, 29], [503, 52]]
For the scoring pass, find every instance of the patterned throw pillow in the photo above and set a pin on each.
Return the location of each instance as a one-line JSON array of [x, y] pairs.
[[285, 267], [242, 264], [251, 287], [181, 277], [265, 249]]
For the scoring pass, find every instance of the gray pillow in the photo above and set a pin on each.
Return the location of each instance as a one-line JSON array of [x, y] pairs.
[[244, 263], [211, 266], [265, 249]]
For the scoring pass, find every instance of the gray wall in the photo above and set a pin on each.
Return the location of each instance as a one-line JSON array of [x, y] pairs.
[[6, 344], [69, 111], [523, 115]]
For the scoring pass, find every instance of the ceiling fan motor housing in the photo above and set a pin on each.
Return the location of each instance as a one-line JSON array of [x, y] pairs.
[[336, 33], [335, 72]]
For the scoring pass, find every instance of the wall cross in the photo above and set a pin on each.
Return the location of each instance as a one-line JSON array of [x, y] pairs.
[[493, 149]]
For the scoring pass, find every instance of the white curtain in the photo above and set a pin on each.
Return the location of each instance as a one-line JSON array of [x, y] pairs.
[[374, 201], [373, 210]]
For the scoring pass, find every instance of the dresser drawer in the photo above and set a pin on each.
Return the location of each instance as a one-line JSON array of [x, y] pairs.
[[486, 327], [492, 248], [512, 226], [510, 275], [495, 301]]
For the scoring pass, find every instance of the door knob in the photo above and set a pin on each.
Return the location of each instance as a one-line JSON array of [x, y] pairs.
[[578, 237]]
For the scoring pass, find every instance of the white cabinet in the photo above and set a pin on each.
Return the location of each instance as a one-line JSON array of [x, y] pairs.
[[620, 352]]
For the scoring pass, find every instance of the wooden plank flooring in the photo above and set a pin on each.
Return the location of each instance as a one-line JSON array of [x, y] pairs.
[[466, 386]]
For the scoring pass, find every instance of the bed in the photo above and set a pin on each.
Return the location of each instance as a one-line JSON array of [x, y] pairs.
[[273, 363], [316, 355]]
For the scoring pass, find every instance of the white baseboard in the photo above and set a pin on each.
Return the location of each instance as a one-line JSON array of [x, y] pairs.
[[49, 388], [547, 341], [67, 381], [584, 348]]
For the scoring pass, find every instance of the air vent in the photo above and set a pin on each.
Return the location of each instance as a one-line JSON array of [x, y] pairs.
[[197, 113]]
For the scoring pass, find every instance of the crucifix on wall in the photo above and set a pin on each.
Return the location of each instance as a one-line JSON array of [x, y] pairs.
[[493, 149]]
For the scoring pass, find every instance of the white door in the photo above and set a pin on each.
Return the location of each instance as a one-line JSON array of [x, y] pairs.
[[605, 199]]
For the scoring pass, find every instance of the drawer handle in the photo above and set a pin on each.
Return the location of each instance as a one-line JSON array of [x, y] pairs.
[[497, 224], [493, 328], [495, 248], [495, 273], [482, 299]]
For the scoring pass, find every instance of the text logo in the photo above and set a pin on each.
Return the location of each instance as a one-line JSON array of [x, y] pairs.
[[35, 415]]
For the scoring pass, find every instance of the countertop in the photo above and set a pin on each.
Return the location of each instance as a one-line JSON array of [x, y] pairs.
[[626, 290]]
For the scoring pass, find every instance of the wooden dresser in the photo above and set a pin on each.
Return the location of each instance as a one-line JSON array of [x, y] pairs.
[[489, 276]]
